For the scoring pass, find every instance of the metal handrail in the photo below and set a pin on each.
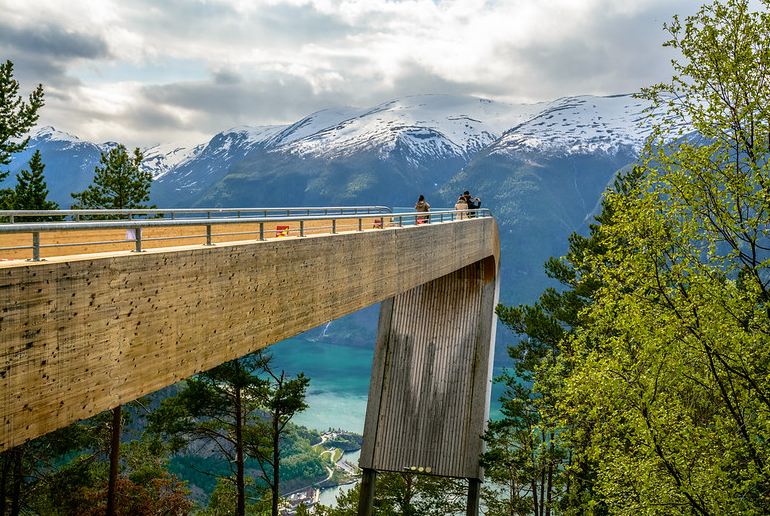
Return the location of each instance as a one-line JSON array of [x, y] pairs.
[[11, 215], [396, 220]]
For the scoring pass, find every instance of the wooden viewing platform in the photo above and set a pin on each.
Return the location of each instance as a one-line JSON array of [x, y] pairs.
[[80, 334]]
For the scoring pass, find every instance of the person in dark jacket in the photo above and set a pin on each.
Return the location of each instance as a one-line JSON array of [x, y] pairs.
[[474, 203]]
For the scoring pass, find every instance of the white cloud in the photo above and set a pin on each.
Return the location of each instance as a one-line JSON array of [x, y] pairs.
[[260, 53]]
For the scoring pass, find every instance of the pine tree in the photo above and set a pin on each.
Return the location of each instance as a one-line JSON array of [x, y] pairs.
[[16, 116], [215, 409], [16, 119], [119, 183], [31, 190], [283, 399]]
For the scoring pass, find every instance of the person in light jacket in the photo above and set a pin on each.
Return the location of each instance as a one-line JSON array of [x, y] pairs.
[[422, 205], [461, 204]]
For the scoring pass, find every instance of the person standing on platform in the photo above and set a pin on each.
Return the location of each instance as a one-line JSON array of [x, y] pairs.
[[474, 203], [422, 206], [461, 204]]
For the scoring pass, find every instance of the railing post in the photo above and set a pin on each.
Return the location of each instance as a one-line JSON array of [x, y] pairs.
[[10, 219], [138, 241], [261, 231], [208, 234], [334, 226], [301, 228], [360, 224], [36, 247]]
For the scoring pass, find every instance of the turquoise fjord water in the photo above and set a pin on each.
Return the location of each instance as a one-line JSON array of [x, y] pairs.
[[339, 380]]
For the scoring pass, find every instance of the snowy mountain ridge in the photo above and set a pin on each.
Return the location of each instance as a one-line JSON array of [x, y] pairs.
[[423, 127]]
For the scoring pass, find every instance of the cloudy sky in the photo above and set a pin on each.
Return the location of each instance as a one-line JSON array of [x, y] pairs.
[[143, 72]]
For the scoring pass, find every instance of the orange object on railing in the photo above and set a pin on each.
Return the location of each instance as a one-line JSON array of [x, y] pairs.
[[282, 231]]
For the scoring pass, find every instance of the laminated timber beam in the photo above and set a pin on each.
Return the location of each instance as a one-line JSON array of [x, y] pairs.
[[431, 376], [83, 334]]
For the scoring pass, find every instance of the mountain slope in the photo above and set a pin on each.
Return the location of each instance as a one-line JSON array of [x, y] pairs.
[[69, 163], [392, 152]]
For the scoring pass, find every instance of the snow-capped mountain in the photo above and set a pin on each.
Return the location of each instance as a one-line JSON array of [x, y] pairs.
[[160, 159], [461, 126], [385, 153], [429, 125], [412, 144], [584, 124]]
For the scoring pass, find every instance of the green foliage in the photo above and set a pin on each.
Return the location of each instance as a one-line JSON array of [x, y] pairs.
[[223, 499], [533, 453], [217, 411], [65, 472], [347, 442], [31, 191], [405, 494], [16, 116], [284, 398], [119, 183], [16, 119], [658, 385], [347, 504], [238, 410], [299, 470]]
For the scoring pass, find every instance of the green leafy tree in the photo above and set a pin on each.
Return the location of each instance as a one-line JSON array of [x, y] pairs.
[[17, 117], [224, 497], [240, 409], [27, 470], [119, 182], [31, 192], [65, 472], [535, 454], [145, 486], [666, 374]]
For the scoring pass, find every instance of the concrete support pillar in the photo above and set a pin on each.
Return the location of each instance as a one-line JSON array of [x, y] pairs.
[[366, 498], [474, 496]]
